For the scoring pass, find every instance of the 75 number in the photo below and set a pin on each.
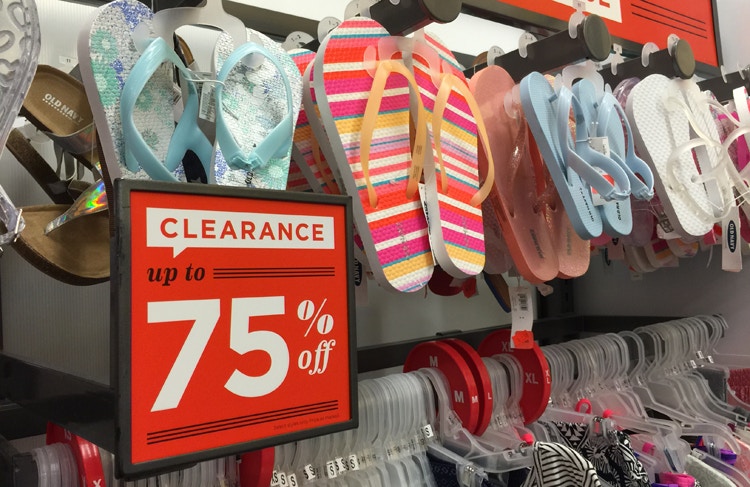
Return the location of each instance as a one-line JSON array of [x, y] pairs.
[[205, 314]]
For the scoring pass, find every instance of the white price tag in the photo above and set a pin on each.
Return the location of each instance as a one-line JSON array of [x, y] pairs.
[[428, 432], [331, 470], [341, 464], [522, 317], [275, 478], [423, 198], [731, 256], [309, 472], [601, 145], [353, 463], [283, 482], [207, 109], [292, 479]]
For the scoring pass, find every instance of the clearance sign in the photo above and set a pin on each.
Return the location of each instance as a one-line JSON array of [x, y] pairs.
[[235, 320], [643, 21]]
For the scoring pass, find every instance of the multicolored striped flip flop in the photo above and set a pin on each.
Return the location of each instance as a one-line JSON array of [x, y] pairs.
[[452, 190], [306, 151], [296, 180], [368, 110]]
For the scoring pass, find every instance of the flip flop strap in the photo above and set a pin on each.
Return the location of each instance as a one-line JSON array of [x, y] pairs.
[[11, 218], [634, 166], [186, 136], [675, 184], [384, 70], [317, 157], [278, 141], [583, 160], [448, 83], [713, 184]]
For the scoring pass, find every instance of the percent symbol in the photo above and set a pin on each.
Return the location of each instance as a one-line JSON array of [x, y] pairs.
[[307, 310]]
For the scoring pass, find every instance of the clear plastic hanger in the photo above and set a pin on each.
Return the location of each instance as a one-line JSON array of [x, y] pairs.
[[211, 14], [455, 437]]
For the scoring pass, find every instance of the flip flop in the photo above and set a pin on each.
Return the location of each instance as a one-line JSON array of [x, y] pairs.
[[312, 162], [296, 180], [56, 104], [19, 57], [513, 197], [617, 217], [76, 253], [453, 195], [107, 54], [539, 102], [661, 135], [147, 109], [573, 252], [366, 115], [257, 110]]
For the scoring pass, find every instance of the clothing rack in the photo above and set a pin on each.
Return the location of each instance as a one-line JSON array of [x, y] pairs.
[[408, 16], [722, 86], [677, 62], [592, 42]]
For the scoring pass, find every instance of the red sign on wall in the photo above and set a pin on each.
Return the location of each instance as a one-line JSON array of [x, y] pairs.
[[239, 321], [644, 21]]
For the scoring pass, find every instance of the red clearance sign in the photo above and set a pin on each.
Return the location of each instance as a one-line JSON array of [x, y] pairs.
[[240, 321], [644, 21]]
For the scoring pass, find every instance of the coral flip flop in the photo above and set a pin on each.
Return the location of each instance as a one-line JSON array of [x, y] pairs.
[[573, 252], [364, 107], [453, 195], [513, 198]]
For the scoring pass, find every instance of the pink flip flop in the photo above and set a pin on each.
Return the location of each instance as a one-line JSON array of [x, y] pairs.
[[453, 195], [306, 151], [366, 105], [573, 252], [513, 197]]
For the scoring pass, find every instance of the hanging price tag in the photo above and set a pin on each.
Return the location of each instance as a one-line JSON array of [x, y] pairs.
[[731, 255], [522, 316], [235, 312]]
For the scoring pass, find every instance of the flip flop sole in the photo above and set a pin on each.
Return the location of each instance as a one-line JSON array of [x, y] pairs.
[[394, 234], [457, 229], [537, 98], [76, 253]]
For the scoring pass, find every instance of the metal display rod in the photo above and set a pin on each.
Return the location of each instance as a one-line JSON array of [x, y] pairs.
[[677, 62], [722, 87], [592, 42], [406, 16]]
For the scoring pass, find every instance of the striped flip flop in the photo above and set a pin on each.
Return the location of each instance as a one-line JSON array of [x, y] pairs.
[[368, 110], [452, 190], [306, 151]]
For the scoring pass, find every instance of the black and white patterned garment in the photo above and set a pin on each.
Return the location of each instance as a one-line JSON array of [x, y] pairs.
[[609, 452], [557, 465]]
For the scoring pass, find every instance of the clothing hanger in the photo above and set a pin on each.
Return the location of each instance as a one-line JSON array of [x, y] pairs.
[[211, 14], [398, 18], [675, 61], [723, 86], [587, 37]]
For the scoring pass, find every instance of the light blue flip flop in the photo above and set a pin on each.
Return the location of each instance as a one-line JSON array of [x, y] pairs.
[[540, 102], [613, 122], [186, 136], [276, 144], [256, 112], [617, 215]]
